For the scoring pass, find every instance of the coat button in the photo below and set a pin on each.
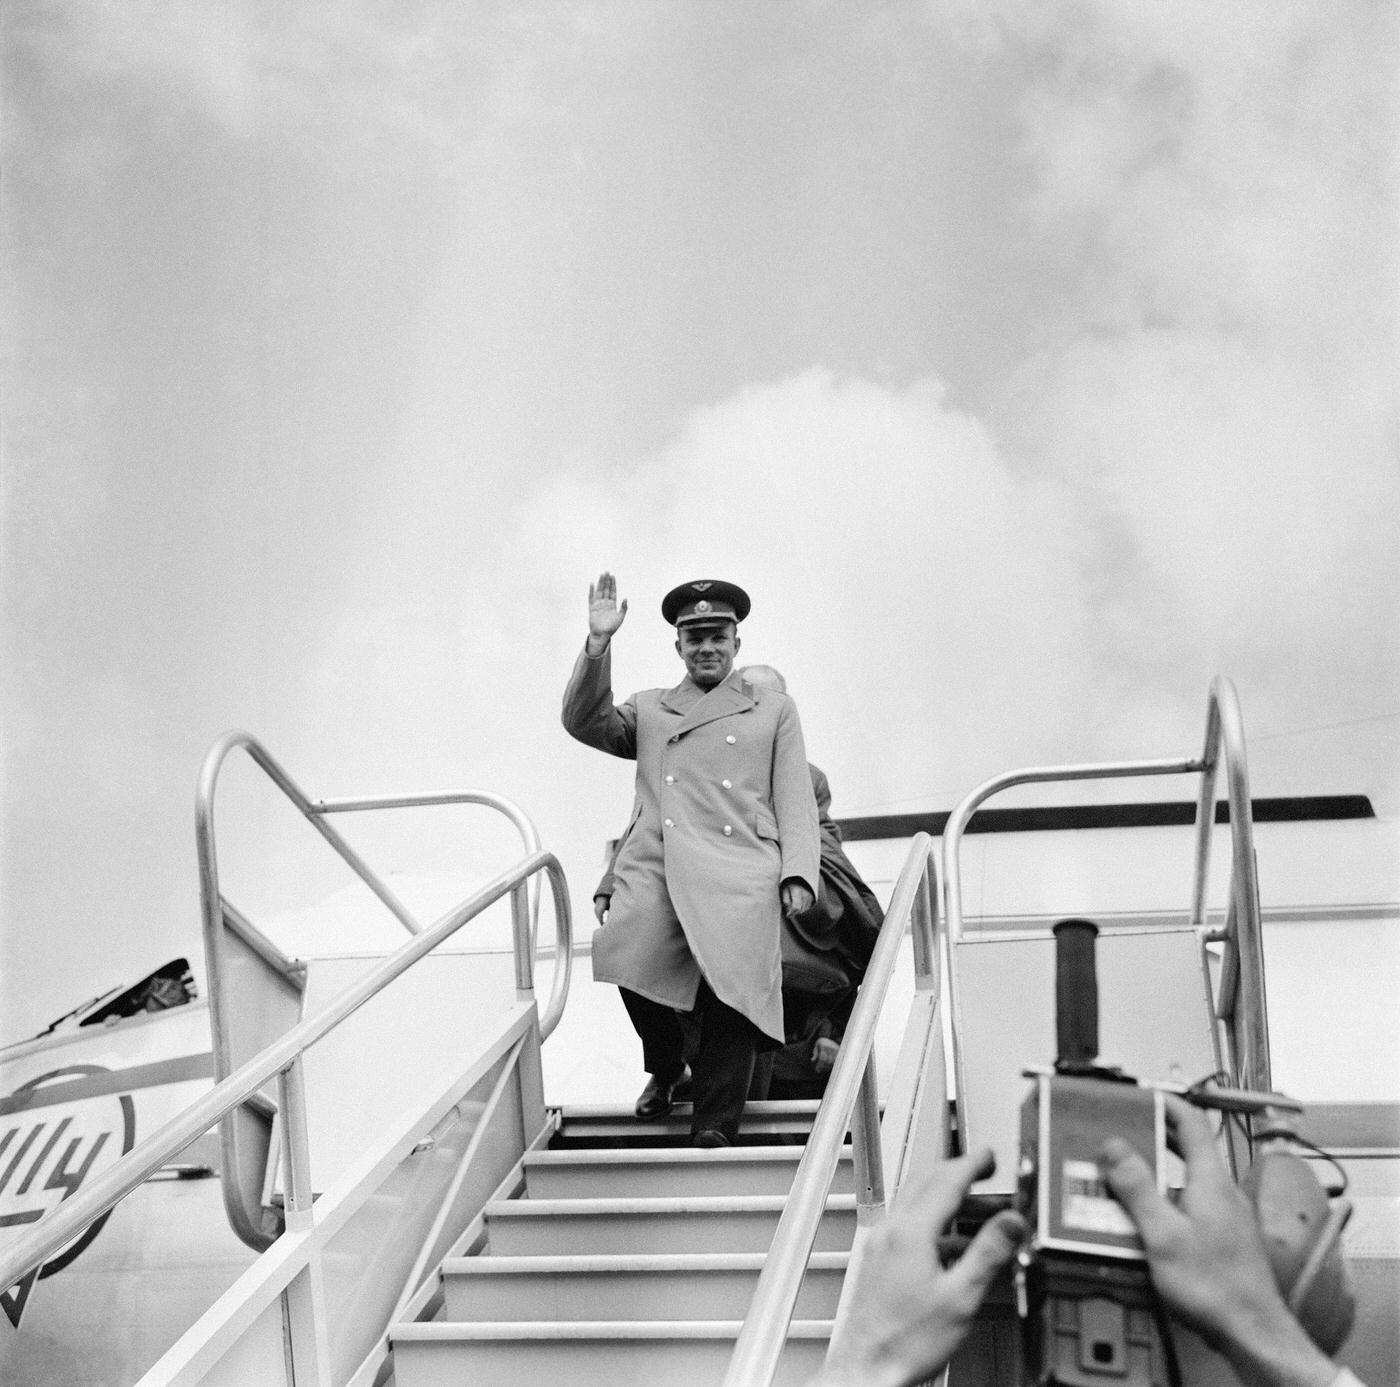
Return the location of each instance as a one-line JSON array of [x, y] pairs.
[[727, 830], [670, 823], [731, 739], [670, 779], [728, 784]]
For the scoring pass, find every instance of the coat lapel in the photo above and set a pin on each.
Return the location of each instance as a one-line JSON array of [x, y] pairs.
[[681, 699], [721, 702]]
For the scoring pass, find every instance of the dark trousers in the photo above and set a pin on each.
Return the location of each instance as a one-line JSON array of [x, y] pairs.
[[718, 1042]]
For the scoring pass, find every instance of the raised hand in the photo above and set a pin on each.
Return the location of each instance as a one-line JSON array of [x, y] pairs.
[[604, 614]]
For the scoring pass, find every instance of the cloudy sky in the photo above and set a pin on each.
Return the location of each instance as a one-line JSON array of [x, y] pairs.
[[1029, 364]]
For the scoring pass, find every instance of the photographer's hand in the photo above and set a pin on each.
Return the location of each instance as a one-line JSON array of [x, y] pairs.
[[908, 1313], [1207, 1260]]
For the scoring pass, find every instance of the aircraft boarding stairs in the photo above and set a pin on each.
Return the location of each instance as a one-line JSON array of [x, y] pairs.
[[428, 1218], [615, 1253]]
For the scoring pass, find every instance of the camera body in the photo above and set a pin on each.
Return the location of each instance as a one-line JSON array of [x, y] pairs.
[[1088, 1312], [1083, 1292]]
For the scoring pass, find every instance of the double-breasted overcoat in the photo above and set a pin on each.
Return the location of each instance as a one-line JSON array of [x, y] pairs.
[[724, 813]]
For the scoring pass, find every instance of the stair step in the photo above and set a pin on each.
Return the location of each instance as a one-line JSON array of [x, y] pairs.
[[563, 1174], [657, 1287], [605, 1353], [746, 1223]]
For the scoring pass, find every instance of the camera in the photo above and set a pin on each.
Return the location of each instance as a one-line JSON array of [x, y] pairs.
[[1089, 1316]]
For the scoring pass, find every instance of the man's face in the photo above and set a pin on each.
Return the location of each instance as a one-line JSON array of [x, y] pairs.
[[708, 652]]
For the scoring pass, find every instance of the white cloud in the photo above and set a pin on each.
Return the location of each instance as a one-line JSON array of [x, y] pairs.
[[1217, 395], [904, 578]]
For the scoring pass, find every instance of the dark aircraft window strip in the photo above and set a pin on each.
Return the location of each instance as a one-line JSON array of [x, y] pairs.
[[176, 1071], [170, 986], [1160, 814]]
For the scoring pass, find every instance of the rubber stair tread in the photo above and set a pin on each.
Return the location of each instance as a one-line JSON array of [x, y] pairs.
[[487, 1264]]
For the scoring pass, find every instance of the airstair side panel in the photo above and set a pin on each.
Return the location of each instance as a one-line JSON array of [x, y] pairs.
[[1333, 981], [1154, 1021], [400, 1048]]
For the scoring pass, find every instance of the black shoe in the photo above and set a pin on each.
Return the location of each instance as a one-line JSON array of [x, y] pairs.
[[658, 1095], [710, 1138]]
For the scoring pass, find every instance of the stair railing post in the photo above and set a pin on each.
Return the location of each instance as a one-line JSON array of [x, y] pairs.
[[924, 928], [1253, 1027], [304, 1299], [867, 1156], [522, 936]]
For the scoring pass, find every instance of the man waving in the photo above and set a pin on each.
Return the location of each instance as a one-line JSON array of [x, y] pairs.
[[722, 838]]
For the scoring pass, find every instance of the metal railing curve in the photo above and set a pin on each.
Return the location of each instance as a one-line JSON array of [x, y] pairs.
[[851, 1102], [315, 812], [242, 1140], [1242, 996], [282, 1061]]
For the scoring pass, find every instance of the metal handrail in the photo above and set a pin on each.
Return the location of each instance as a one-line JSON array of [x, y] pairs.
[[529, 835], [760, 1341], [957, 820], [1243, 935], [283, 1060], [217, 913], [1242, 968], [315, 812]]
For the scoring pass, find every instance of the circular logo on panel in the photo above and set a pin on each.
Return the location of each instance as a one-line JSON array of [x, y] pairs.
[[56, 1132]]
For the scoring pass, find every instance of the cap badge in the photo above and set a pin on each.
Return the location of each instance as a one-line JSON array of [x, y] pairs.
[[702, 587], [702, 606]]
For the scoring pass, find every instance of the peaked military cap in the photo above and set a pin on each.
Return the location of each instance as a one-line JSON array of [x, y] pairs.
[[705, 600]]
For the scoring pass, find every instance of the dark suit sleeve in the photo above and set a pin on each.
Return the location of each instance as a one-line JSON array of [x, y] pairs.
[[831, 834], [590, 715]]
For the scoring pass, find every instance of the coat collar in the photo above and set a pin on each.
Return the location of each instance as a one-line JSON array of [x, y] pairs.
[[697, 706]]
